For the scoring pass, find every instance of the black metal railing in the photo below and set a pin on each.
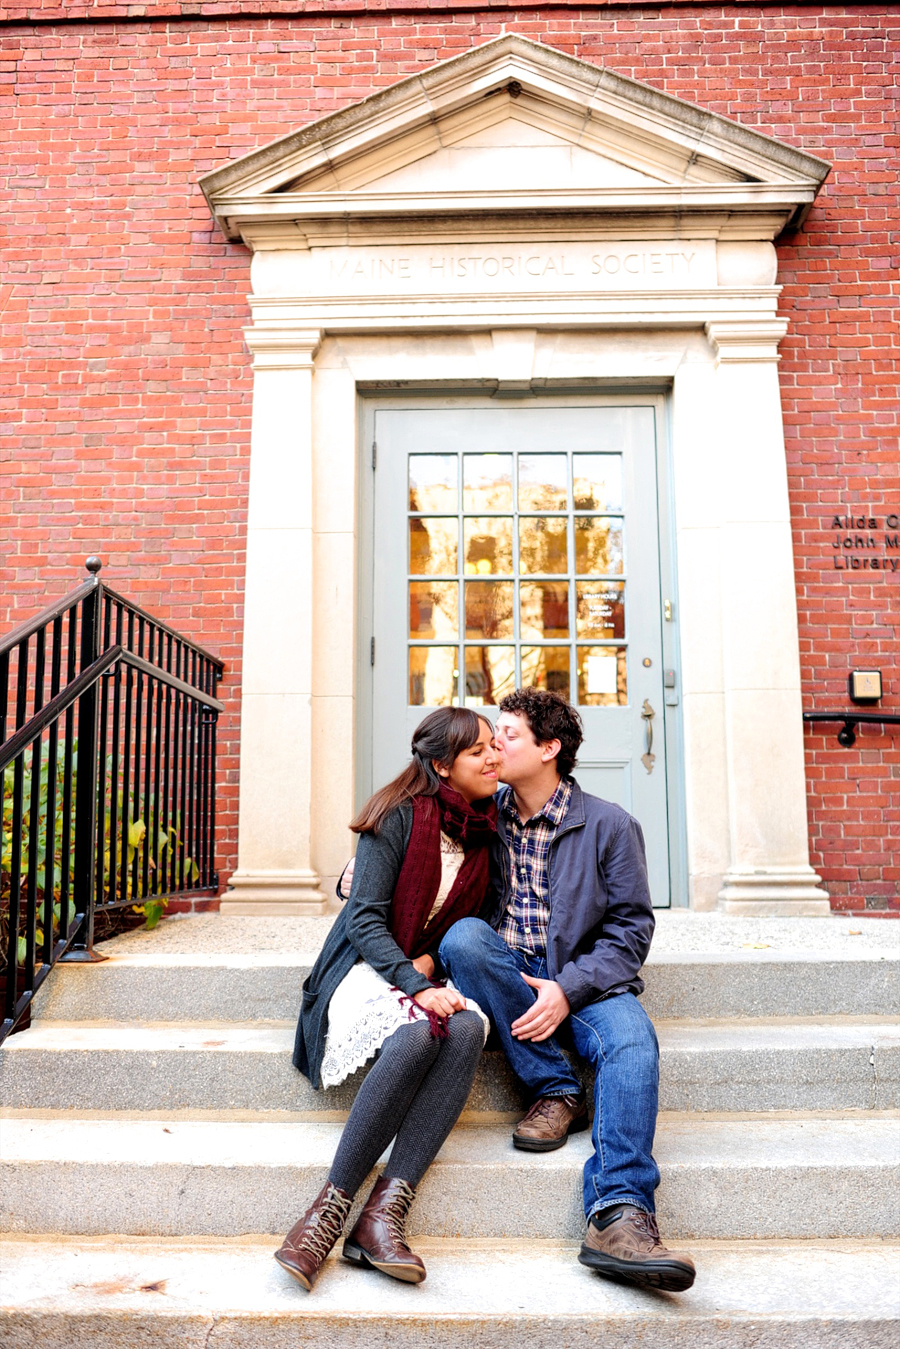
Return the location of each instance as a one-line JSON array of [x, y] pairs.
[[847, 734], [107, 778]]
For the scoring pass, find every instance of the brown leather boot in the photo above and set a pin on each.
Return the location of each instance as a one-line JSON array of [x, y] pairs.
[[622, 1244], [549, 1122], [378, 1241], [307, 1244]]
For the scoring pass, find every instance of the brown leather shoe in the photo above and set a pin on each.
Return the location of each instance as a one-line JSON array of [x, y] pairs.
[[378, 1241], [549, 1122], [307, 1244], [626, 1247]]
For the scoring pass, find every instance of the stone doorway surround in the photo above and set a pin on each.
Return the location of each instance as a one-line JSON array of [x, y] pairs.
[[514, 221]]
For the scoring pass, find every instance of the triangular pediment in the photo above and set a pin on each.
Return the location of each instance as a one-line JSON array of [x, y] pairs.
[[504, 153], [514, 126]]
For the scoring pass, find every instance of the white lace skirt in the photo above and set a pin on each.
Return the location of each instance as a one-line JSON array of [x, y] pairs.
[[363, 1012]]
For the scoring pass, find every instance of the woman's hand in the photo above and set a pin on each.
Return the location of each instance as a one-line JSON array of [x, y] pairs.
[[425, 965], [345, 884], [444, 1001]]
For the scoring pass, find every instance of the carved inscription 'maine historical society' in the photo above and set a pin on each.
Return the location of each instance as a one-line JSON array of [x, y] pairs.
[[522, 266], [478, 266]]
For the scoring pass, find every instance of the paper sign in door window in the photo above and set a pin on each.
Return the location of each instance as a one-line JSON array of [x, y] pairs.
[[602, 674]]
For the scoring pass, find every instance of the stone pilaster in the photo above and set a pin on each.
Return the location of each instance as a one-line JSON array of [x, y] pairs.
[[274, 873], [769, 870]]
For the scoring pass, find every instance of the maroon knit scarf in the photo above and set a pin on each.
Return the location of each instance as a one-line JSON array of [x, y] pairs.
[[420, 875]]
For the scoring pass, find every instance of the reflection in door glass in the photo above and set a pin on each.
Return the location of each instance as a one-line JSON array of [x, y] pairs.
[[489, 609], [496, 542], [597, 479], [432, 482], [602, 676], [487, 482], [490, 674], [543, 610], [434, 609], [433, 676], [600, 608], [543, 482], [598, 546], [432, 547], [542, 546], [488, 546], [546, 667]]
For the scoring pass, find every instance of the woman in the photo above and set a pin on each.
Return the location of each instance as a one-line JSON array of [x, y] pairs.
[[421, 865]]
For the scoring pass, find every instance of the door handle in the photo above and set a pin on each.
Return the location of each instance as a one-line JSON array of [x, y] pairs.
[[647, 758]]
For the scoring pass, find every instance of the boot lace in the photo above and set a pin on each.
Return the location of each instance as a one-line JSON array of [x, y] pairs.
[[545, 1107], [540, 1110], [325, 1225], [646, 1226], [395, 1211]]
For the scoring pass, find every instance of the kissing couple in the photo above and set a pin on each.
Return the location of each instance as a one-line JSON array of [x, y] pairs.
[[526, 910]]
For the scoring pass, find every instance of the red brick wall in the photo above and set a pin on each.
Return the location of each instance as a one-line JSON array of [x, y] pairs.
[[125, 425]]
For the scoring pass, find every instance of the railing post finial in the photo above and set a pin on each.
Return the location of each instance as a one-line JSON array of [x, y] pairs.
[[93, 564]]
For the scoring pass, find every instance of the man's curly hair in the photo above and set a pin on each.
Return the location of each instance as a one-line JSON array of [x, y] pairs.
[[549, 717]]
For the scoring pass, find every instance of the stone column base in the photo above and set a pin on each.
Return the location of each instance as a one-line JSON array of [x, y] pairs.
[[274, 894], [779, 892]]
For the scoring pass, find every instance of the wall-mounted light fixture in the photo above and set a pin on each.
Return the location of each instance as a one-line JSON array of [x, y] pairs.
[[865, 687]]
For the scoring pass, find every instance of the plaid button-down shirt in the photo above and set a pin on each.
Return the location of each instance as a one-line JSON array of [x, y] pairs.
[[524, 926]]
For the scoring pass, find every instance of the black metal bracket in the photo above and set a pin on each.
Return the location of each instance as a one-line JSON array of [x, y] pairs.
[[847, 734]]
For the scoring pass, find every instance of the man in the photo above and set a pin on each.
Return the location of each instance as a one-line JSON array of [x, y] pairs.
[[560, 955]]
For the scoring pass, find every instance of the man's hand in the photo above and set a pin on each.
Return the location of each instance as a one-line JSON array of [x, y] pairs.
[[551, 1007], [425, 965], [444, 1001]]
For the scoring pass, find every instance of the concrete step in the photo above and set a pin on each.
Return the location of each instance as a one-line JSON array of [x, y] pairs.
[[162, 985], [827, 1064], [731, 1177], [77, 1294]]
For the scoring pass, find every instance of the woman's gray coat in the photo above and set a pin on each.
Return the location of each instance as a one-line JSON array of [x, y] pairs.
[[360, 930]]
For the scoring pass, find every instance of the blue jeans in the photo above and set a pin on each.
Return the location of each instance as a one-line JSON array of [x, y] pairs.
[[615, 1036]]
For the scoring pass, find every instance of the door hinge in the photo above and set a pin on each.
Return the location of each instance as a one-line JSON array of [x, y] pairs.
[[374, 453], [372, 652]]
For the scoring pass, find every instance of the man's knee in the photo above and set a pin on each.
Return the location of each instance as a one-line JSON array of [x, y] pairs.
[[604, 1031], [468, 941]]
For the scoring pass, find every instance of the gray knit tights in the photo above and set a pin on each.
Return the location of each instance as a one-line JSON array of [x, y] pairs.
[[415, 1090]]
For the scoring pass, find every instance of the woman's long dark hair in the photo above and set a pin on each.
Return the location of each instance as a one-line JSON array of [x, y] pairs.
[[439, 738]]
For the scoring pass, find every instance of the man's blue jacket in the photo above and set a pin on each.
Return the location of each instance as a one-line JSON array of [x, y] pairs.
[[601, 919]]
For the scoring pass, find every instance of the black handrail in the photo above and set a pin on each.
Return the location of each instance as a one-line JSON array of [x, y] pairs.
[[156, 623], [51, 711], [847, 734], [30, 733], [107, 782], [31, 625]]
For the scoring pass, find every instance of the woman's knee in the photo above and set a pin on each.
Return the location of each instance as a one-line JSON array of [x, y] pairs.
[[465, 1033], [466, 1025], [413, 1042]]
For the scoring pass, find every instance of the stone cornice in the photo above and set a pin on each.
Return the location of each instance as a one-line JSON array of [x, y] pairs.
[[268, 233], [729, 211]]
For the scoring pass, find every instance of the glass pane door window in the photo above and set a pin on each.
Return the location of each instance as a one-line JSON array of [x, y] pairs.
[[516, 575]]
